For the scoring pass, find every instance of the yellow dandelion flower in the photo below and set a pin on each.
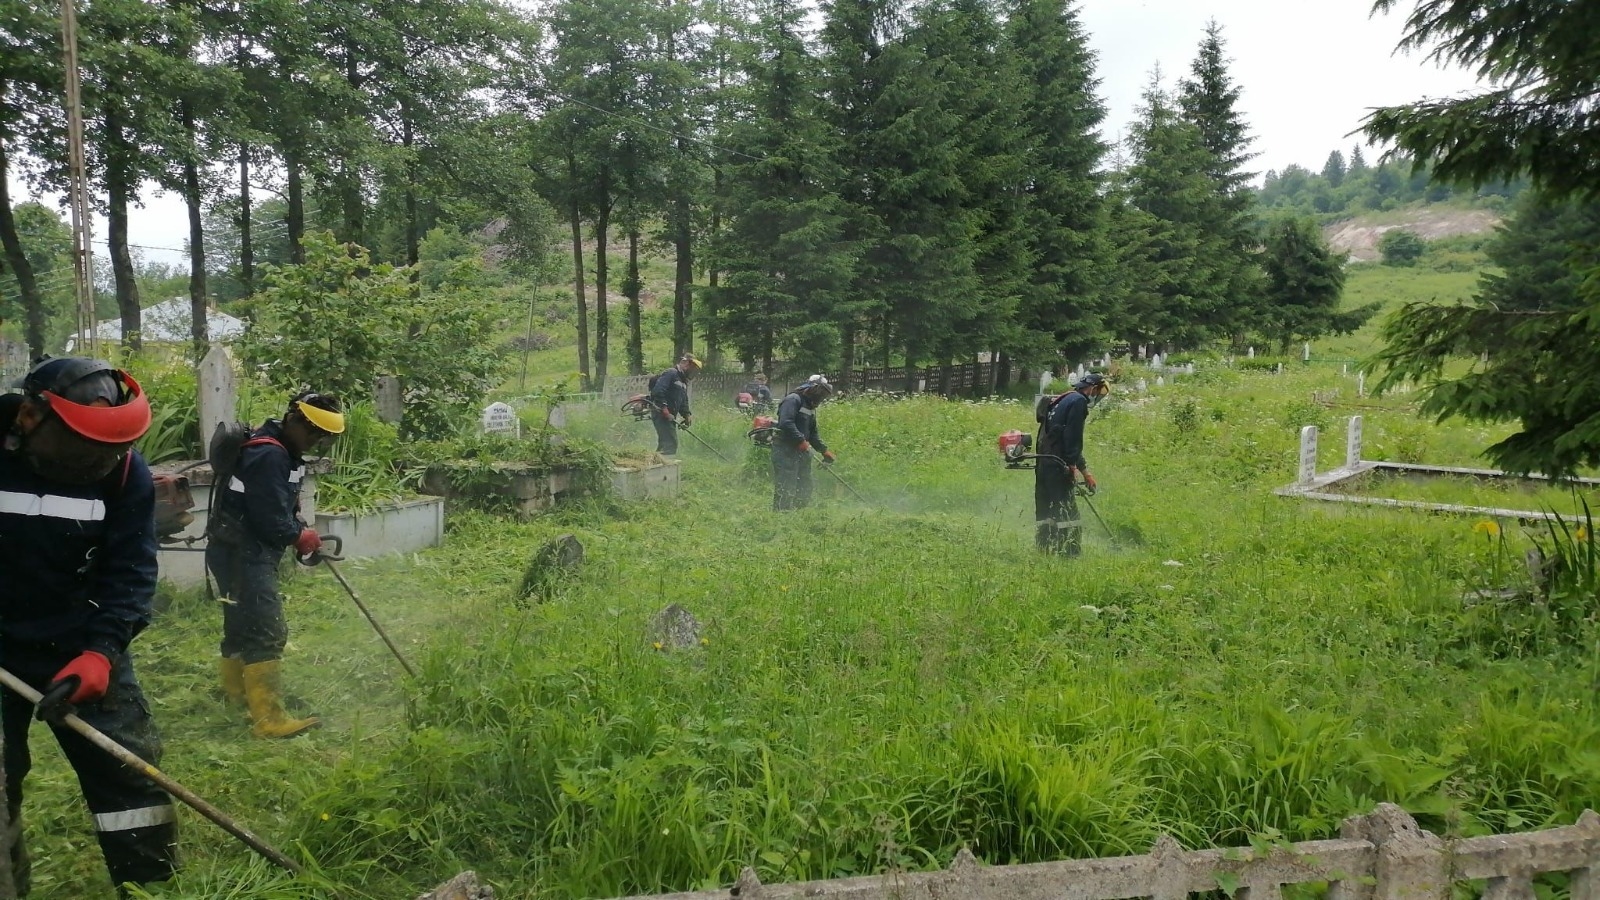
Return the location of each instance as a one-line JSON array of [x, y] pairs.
[[658, 645], [784, 588], [1582, 532], [325, 817], [1488, 527], [705, 642]]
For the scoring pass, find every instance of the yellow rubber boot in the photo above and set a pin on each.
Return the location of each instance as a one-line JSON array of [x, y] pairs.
[[262, 688], [232, 671]]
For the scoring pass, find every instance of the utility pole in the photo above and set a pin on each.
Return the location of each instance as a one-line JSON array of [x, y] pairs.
[[78, 185]]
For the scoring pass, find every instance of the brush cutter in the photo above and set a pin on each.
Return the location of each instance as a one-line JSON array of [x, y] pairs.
[[1014, 446], [53, 708], [328, 560], [762, 429]]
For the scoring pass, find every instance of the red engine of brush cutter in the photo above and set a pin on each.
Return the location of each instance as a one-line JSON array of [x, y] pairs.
[[1013, 445], [744, 401], [638, 406], [762, 428]]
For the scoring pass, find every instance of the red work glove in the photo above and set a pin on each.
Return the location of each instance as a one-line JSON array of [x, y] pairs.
[[1089, 483], [93, 672], [308, 542], [804, 447], [828, 457], [688, 420], [666, 412]]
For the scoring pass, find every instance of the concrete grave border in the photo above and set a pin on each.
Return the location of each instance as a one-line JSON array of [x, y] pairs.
[[1312, 485]]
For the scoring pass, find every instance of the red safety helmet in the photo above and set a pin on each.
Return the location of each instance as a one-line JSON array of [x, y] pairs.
[[68, 387]]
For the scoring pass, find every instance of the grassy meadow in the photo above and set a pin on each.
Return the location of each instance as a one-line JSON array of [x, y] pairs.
[[879, 684]]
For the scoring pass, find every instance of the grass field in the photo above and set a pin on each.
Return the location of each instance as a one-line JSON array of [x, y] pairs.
[[878, 684]]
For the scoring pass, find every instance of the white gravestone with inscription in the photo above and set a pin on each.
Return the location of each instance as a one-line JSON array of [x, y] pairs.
[[1352, 443], [500, 418], [1308, 454]]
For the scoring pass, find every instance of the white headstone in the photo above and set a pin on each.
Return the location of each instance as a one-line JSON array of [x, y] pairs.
[[1078, 375], [1141, 387], [557, 417], [1105, 361], [1155, 361], [1141, 351], [1352, 443], [1361, 384], [387, 399], [1045, 378], [1279, 370], [1160, 381], [1251, 353], [1189, 369], [499, 418], [1344, 369], [1308, 454], [1305, 354], [218, 399]]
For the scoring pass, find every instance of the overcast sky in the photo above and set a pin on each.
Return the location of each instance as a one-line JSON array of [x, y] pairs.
[[1309, 74]]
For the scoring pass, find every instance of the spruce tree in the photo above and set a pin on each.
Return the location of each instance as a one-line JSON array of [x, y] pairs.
[[1209, 101], [1305, 281], [785, 263], [1064, 302], [1173, 268], [1333, 170]]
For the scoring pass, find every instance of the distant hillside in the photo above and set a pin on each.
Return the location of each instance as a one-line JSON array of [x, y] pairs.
[[1359, 235]]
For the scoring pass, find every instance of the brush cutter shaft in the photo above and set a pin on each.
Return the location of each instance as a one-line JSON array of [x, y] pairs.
[[126, 757], [830, 471], [685, 429], [339, 576]]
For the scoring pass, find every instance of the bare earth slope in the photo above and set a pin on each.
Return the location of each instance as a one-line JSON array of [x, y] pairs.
[[1359, 236]]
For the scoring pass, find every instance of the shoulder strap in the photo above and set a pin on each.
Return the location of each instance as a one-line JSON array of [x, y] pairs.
[[261, 441]]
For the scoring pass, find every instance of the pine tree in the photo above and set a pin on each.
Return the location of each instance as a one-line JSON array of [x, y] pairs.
[[1358, 161], [1305, 281], [1209, 101], [1333, 170], [1172, 267], [785, 263], [1064, 303]]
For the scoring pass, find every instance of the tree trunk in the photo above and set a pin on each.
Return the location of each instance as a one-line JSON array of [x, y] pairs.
[[1002, 371], [17, 261], [247, 248], [713, 351], [579, 290], [683, 279], [197, 236], [847, 354], [602, 315], [119, 191], [296, 217], [413, 237], [351, 204], [630, 287]]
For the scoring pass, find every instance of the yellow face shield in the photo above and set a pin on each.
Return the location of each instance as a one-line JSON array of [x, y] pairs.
[[327, 420]]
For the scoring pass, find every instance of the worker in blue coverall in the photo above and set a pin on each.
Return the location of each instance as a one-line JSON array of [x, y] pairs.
[[257, 517], [1055, 505], [669, 398], [793, 442], [78, 549]]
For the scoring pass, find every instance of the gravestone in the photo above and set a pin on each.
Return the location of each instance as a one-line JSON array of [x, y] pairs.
[[1188, 369], [1352, 443], [1344, 369], [1141, 387], [1308, 454], [557, 417], [675, 628], [1250, 352], [1105, 361], [387, 399], [500, 418], [1279, 370], [1141, 351], [218, 398], [1045, 378], [1305, 353], [1155, 361], [1361, 384], [1161, 381], [551, 565]]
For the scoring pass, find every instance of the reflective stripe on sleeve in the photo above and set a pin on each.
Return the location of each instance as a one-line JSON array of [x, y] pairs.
[[297, 473], [78, 509], [234, 484], [134, 818]]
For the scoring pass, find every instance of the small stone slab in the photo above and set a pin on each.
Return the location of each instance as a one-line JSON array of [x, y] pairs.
[[553, 564], [675, 628]]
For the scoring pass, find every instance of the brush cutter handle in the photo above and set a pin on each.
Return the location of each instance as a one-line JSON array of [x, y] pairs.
[[322, 555]]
